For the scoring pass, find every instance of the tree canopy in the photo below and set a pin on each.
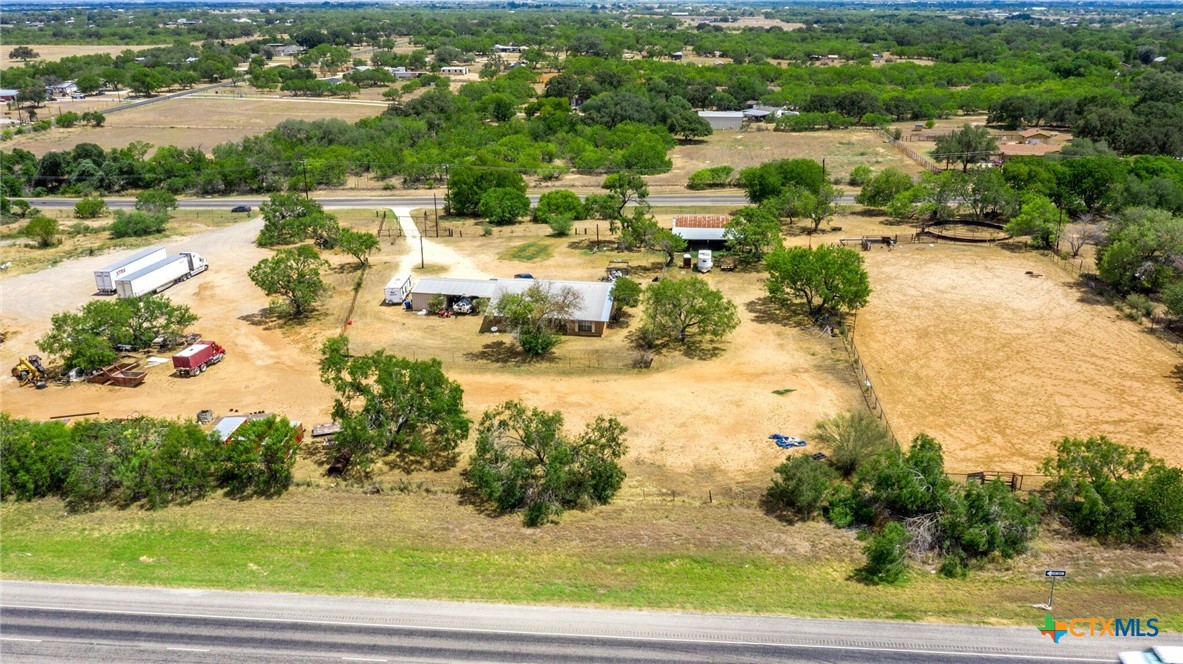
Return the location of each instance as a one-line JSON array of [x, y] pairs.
[[524, 461], [828, 279]]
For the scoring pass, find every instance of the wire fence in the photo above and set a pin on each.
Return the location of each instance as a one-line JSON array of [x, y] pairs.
[[866, 385], [924, 161]]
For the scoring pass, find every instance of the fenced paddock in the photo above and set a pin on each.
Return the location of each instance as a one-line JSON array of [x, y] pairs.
[[964, 343]]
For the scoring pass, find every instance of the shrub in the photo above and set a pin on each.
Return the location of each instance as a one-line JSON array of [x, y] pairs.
[[1114, 492], [90, 207], [717, 177], [67, 119], [852, 439], [137, 224], [800, 487], [524, 461], [887, 556], [559, 202], [1140, 304], [503, 205], [561, 224], [43, 230], [859, 176]]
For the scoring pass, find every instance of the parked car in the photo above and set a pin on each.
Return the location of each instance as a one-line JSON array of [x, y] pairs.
[[1155, 655], [241, 208], [523, 275]]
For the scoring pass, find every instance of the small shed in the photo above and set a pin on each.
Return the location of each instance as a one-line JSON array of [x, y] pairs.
[[723, 120], [454, 71], [756, 114], [701, 231]]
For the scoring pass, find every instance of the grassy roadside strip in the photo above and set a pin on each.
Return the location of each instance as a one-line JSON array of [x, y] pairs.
[[664, 556]]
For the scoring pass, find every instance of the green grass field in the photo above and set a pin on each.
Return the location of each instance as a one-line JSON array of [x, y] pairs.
[[667, 555]]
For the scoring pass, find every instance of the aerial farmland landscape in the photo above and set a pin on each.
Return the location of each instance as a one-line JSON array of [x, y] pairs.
[[561, 332]]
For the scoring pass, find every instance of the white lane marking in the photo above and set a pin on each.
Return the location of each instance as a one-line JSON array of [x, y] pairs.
[[363, 659], [605, 637], [9, 638], [190, 649]]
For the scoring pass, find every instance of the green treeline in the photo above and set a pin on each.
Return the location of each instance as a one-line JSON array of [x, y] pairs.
[[144, 461]]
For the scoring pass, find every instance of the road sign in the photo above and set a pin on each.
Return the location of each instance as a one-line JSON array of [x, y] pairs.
[[1055, 572]]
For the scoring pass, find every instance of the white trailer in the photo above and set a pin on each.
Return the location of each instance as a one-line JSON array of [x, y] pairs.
[[398, 290], [161, 275], [105, 278]]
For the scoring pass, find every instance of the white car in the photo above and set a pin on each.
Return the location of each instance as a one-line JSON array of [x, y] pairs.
[[1155, 655]]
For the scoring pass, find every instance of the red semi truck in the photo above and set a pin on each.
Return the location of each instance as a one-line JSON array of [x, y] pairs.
[[197, 358]]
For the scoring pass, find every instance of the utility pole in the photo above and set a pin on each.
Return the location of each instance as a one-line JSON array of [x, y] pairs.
[[422, 259]]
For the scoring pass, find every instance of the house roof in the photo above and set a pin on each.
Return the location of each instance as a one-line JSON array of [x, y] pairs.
[[705, 234], [1027, 149], [226, 426], [596, 304], [700, 221], [1032, 133], [736, 115], [757, 113]]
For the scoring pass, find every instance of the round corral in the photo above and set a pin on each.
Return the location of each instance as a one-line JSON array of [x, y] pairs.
[[960, 230]]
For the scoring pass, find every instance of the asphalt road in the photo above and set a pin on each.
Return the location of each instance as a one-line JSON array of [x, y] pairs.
[[656, 200], [64, 623]]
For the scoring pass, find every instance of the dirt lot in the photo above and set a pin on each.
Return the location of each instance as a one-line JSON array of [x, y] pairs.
[[202, 120], [997, 364], [693, 423]]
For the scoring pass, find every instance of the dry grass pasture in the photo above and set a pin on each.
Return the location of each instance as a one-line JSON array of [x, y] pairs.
[[998, 364], [52, 52], [202, 121], [842, 150]]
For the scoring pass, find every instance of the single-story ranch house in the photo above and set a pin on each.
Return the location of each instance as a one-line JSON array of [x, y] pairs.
[[588, 320]]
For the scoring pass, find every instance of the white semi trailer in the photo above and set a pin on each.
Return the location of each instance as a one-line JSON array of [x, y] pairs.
[[161, 275], [105, 278]]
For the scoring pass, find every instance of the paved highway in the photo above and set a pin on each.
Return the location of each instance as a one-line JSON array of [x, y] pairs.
[[65, 623], [656, 200]]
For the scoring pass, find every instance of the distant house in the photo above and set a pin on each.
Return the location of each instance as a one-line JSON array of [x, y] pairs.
[[589, 320], [677, 55], [9, 95], [701, 231], [454, 71], [64, 89], [1012, 150], [723, 120], [507, 48], [1036, 136]]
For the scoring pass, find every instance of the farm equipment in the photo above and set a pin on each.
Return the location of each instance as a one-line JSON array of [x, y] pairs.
[[122, 374], [786, 442], [28, 371], [197, 358]]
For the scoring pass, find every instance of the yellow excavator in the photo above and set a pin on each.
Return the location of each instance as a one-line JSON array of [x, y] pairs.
[[28, 371]]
